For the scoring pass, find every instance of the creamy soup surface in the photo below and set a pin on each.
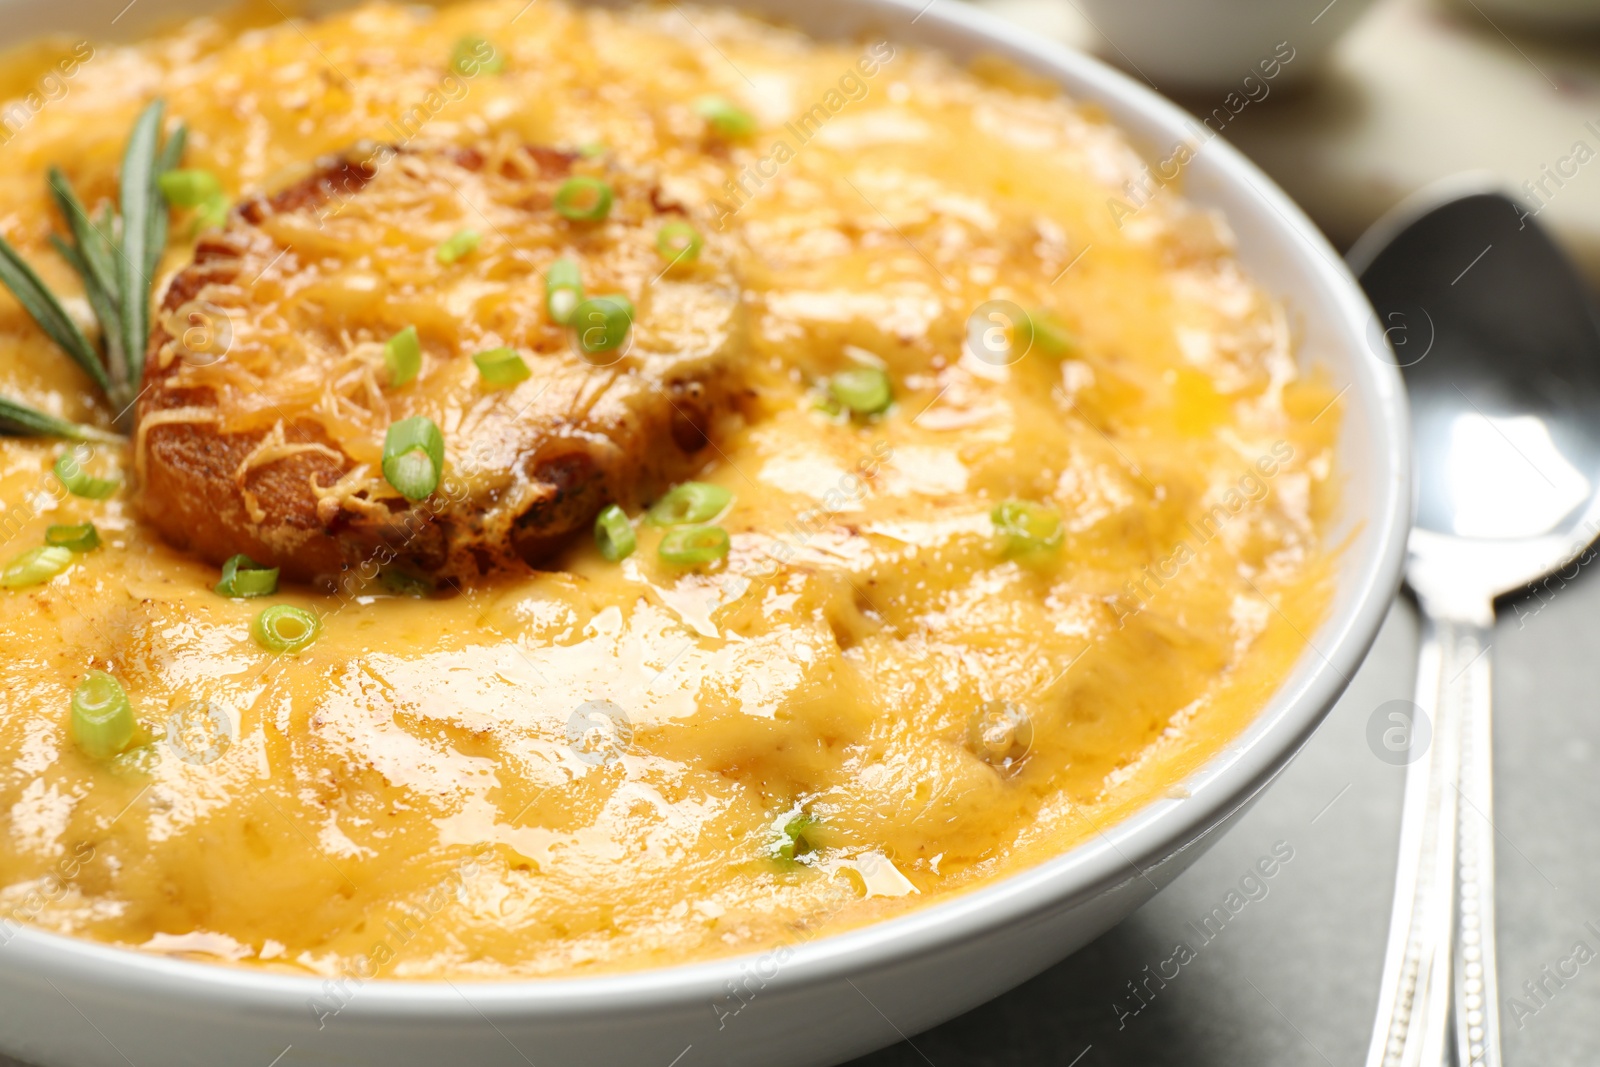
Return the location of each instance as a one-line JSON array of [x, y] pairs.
[[877, 699]]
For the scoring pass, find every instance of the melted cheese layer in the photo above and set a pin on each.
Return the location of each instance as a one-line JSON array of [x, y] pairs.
[[593, 768]]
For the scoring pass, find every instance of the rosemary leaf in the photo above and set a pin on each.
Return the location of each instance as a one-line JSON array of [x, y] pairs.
[[95, 245], [138, 228], [169, 159], [39, 302], [104, 304], [21, 420]]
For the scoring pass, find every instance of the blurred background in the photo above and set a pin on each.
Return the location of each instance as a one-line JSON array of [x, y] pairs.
[[1380, 99]]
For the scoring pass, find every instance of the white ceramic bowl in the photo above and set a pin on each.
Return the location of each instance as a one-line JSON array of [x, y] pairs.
[[71, 1003]]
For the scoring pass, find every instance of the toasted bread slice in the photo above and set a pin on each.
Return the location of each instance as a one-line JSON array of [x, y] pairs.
[[267, 397]]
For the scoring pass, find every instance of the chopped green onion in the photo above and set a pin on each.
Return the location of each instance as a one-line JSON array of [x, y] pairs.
[[501, 366], [797, 833], [679, 242], [458, 246], [413, 457], [689, 545], [864, 390], [189, 188], [689, 504], [563, 290], [69, 468], [400, 583], [602, 323], [34, 566], [402, 354], [621, 301], [725, 118], [1027, 527], [583, 199], [80, 538], [213, 213], [244, 577], [613, 534], [285, 629], [592, 149], [102, 716], [476, 55], [1051, 335]]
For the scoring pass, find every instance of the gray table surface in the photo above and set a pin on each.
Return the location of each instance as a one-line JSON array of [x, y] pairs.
[[1293, 978]]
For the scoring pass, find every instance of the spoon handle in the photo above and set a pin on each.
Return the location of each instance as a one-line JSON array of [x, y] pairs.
[[1477, 993], [1412, 1024]]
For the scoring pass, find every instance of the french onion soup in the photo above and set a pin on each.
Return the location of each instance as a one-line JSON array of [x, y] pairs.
[[509, 490]]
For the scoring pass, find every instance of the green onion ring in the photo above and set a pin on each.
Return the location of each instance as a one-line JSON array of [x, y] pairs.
[[283, 629], [563, 290], [864, 390], [501, 366], [1027, 527], [102, 716], [469, 61], [413, 457], [244, 577], [79, 482], [583, 199], [691, 545], [189, 187], [458, 246], [1051, 334], [797, 837], [725, 118], [613, 534], [402, 354], [80, 538], [602, 323], [400, 583], [35, 566], [679, 242], [691, 503]]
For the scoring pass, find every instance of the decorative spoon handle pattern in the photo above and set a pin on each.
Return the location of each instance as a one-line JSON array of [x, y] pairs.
[[1421, 975]]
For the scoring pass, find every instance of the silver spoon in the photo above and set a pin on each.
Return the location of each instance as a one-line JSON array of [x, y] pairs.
[[1500, 349]]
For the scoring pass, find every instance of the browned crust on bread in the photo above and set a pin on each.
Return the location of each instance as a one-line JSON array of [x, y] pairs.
[[191, 490]]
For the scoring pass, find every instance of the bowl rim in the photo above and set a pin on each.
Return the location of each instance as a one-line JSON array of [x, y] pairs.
[[1124, 851]]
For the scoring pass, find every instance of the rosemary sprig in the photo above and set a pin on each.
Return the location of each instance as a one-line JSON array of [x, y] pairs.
[[139, 208], [38, 301], [93, 258], [169, 159], [116, 259], [104, 305], [24, 421]]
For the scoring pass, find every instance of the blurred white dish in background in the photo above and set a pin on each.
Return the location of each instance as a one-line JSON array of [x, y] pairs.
[[1547, 14], [1216, 44]]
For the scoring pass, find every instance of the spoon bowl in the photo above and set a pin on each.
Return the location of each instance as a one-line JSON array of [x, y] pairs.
[[1499, 347]]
